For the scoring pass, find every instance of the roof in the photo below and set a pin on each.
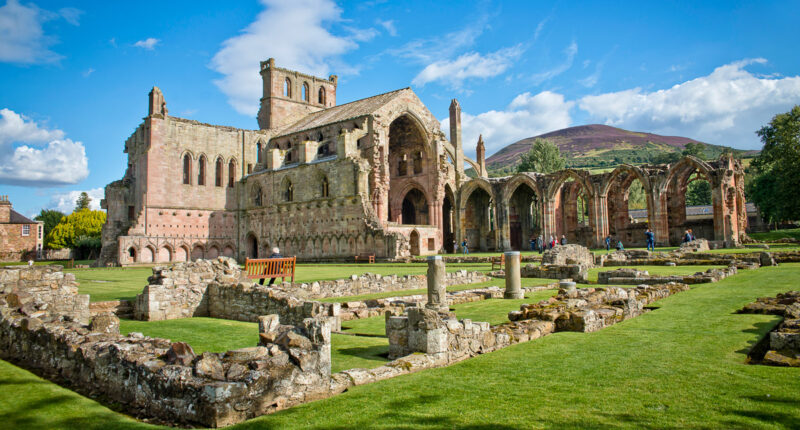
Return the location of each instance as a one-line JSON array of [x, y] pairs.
[[18, 218], [340, 113]]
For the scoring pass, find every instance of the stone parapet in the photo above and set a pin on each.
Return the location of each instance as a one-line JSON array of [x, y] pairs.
[[44, 290]]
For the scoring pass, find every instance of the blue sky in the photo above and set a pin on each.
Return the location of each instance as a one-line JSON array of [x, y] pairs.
[[74, 76]]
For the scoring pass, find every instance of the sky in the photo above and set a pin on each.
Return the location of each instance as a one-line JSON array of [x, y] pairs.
[[74, 76]]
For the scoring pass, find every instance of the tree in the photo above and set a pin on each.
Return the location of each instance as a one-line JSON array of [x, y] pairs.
[[50, 217], [82, 202], [776, 170], [637, 199], [698, 193], [543, 157], [696, 149], [76, 227]]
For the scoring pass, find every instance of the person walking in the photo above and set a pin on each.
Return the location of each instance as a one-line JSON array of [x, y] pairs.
[[465, 247], [540, 243], [550, 242], [608, 244], [276, 253], [532, 243], [563, 239], [687, 237], [651, 240]]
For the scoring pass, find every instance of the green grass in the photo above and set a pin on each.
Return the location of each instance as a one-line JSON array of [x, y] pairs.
[[793, 233], [215, 335], [681, 366], [44, 263]]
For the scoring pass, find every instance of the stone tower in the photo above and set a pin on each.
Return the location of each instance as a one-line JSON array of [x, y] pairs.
[[158, 106], [289, 95], [455, 134], [480, 154]]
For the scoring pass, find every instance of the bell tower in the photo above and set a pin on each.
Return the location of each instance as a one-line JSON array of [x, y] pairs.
[[289, 95]]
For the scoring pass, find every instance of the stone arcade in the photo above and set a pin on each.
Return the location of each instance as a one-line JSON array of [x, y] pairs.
[[377, 175]]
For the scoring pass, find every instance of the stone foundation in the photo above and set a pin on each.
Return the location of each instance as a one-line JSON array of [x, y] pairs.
[[637, 277], [576, 272], [568, 255], [44, 290], [781, 346]]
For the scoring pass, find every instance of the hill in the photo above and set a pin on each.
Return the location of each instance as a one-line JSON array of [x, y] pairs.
[[598, 145]]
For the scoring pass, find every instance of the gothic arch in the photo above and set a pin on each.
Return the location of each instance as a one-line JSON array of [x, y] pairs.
[[581, 177], [519, 179], [470, 187], [164, 254], [635, 171]]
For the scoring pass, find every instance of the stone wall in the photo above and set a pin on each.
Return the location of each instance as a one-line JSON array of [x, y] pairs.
[[781, 346], [120, 308], [637, 277], [568, 254], [369, 283], [576, 272], [44, 290]]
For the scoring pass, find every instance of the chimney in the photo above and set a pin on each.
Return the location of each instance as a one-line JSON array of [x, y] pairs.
[[5, 210]]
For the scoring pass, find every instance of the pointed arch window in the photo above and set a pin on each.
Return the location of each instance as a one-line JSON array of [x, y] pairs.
[[218, 172], [259, 148], [287, 88], [231, 173], [289, 191], [201, 170], [187, 169], [324, 187], [305, 91], [321, 96]]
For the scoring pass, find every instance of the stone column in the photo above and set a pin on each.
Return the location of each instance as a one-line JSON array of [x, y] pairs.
[[437, 290], [513, 289]]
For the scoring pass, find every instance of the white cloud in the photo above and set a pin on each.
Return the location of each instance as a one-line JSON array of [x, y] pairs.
[[469, 65], [570, 52], [71, 15], [148, 44], [65, 202], [388, 26], [87, 72], [60, 161], [291, 31], [22, 39], [725, 107], [426, 51], [527, 115]]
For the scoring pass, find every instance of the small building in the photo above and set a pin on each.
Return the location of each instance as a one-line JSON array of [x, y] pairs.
[[21, 238]]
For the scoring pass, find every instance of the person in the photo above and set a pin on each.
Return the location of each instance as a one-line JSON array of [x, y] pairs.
[[276, 253], [532, 243], [551, 242], [464, 246], [30, 262], [563, 239], [540, 243], [651, 240], [455, 247], [691, 234], [687, 237], [619, 246], [608, 243]]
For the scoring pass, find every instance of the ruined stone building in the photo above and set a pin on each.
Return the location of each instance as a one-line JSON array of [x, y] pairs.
[[373, 176], [20, 237]]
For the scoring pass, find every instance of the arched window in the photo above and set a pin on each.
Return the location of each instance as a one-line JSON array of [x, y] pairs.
[[305, 91], [231, 173], [322, 95], [256, 196], [258, 152], [287, 88], [201, 170], [324, 187], [417, 162], [218, 173], [289, 191], [187, 169], [324, 150]]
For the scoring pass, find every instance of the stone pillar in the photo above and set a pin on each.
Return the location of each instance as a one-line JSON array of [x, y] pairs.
[[513, 289], [437, 290]]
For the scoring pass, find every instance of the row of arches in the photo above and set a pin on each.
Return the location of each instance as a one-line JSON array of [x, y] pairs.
[[221, 177], [317, 246], [305, 94], [167, 253]]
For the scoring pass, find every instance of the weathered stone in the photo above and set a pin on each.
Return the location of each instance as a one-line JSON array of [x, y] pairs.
[[513, 285], [210, 366], [437, 292], [180, 353], [105, 323]]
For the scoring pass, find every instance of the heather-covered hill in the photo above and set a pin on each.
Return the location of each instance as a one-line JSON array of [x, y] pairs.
[[597, 145]]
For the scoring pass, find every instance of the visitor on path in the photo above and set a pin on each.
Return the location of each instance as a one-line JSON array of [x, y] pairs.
[[553, 243], [540, 243], [651, 240], [455, 247], [550, 242], [465, 247], [687, 236], [608, 244], [619, 246], [276, 253], [691, 235], [532, 243], [563, 239]]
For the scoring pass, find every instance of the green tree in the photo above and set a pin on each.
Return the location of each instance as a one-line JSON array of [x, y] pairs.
[[543, 157], [50, 217], [697, 149], [82, 202], [76, 227], [698, 193], [776, 171], [637, 199]]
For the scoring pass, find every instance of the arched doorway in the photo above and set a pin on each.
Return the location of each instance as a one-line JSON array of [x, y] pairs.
[[479, 220], [252, 246], [414, 242], [414, 208], [690, 202], [409, 167], [524, 217], [448, 236], [628, 208]]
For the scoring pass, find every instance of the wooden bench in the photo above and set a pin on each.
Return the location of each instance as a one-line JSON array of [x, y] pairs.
[[369, 257], [499, 261], [263, 268]]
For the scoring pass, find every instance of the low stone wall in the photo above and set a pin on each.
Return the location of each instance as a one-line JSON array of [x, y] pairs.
[[781, 347], [160, 380], [120, 308], [568, 255], [637, 277], [458, 258], [44, 290], [369, 283], [590, 309], [640, 257], [576, 272]]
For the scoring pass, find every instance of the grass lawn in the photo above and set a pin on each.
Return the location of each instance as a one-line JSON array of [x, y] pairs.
[[777, 234], [215, 335], [682, 365], [655, 270]]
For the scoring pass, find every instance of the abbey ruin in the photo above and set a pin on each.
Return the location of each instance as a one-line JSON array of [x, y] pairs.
[[378, 176]]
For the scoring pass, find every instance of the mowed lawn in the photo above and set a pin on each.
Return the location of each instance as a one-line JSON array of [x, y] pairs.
[[680, 366]]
